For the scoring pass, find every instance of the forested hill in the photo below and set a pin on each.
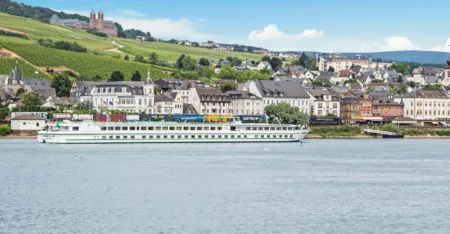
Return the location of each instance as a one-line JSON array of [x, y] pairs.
[[38, 13]]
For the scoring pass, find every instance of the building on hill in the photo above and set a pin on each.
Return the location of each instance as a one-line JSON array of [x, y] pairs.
[[245, 103], [423, 105], [324, 102], [16, 80], [95, 23]]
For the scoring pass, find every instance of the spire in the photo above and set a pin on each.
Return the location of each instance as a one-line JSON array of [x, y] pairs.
[[149, 79]]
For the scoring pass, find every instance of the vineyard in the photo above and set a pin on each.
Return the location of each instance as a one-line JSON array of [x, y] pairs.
[[86, 64], [7, 64], [172, 52]]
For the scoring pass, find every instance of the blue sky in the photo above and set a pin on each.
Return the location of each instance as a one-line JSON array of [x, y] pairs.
[[319, 25]]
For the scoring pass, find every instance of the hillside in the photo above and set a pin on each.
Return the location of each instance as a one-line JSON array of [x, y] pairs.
[[104, 56], [427, 57]]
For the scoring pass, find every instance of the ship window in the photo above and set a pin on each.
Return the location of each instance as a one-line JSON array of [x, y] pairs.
[[239, 136], [248, 128], [193, 136], [185, 128], [172, 136], [219, 128], [205, 128], [290, 129], [213, 136], [172, 128], [226, 136], [233, 128], [280, 136], [137, 128], [254, 128], [103, 128], [262, 136], [186, 136], [213, 128], [199, 128], [245, 136], [132, 137], [117, 128], [179, 128], [284, 129], [260, 128], [150, 137], [232, 136], [117, 137], [143, 137], [192, 128], [125, 137], [268, 136], [285, 136], [150, 128], [110, 137], [179, 136], [199, 136], [75, 129], [219, 136], [206, 136], [266, 129], [132, 128], [165, 128], [278, 129], [157, 128], [158, 137], [124, 128], [272, 128], [292, 136], [165, 136], [143, 128], [110, 128], [103, 137]]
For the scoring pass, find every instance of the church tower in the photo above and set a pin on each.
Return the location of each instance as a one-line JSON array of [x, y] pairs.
[[100, 21], [446, 80], [92, 20]]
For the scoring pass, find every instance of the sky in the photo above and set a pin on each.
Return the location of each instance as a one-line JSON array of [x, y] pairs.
[[283, 25]]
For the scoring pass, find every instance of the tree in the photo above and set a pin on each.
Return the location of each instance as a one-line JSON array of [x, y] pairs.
[[265, 58], [411, 84], [32, 101], [227, 73], [4, 130], [276, 63], [331, 115], [303, 60], [179, 63], [322, 83], [286, 114], [398, 88], [203, 62], [227, 86], [19, 91], [126, 57], [433, 87], [139, 58], [402, 68], [62, 85], [116, 76], [153, 58], [4, 111], [351, 81], [84, 106], [188, 63], [136, 76], [265, 70], [331, 69], [157, 90], [97, 78]]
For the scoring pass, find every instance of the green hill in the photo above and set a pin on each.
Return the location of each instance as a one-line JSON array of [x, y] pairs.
[[103, 56]]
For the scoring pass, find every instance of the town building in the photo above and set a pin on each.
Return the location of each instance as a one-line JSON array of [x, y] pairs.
[[99, 24], [324, 102], [350, 109], [423, 105], [168, 103], [273, 92], [264, 64], [27, 124], [387, 108], [245, 103], [127, 96], [210, 101]]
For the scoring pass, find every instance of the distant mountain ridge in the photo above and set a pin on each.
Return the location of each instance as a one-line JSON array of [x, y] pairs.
[[418, 56]]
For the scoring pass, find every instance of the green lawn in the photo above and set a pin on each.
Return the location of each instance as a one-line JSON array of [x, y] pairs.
[[7, 64]]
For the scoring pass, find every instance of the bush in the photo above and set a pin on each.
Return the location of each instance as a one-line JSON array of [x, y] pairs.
[[96, 33], [4, 130], [375, 128]]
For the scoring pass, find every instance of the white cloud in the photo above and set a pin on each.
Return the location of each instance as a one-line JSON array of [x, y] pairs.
[[164, 27], [395, 43], [271, 32], [131, 13], [445, 48]]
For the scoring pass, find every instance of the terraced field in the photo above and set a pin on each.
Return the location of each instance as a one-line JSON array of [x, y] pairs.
[[7, 64]]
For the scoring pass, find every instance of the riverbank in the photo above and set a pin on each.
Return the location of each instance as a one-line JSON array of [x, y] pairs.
[[18, 137]]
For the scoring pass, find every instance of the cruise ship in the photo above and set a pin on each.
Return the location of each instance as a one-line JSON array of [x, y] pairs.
[[90, 132]]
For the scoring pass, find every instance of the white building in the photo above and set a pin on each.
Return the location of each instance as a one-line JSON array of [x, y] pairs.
[[210, 101], [27, 123], [133, 97], [273, 92], [169, 103], [245, 103], [264, 64], [324, 102], [426, 105]]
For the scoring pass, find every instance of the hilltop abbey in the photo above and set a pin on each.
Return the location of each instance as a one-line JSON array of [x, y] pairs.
[[95, 23]]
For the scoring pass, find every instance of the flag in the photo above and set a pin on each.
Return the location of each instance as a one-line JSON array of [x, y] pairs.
[[111, 103], [67, 100], [117, 102], [104, 103]]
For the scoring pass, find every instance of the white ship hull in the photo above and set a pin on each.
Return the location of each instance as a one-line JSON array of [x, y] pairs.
[[147, 132]]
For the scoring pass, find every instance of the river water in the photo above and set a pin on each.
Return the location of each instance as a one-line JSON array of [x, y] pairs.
[[323, 186]]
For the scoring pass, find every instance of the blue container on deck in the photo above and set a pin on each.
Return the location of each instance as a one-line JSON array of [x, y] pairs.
[[188, 118]]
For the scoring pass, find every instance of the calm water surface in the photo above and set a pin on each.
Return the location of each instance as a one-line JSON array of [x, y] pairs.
[[324, 186]]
